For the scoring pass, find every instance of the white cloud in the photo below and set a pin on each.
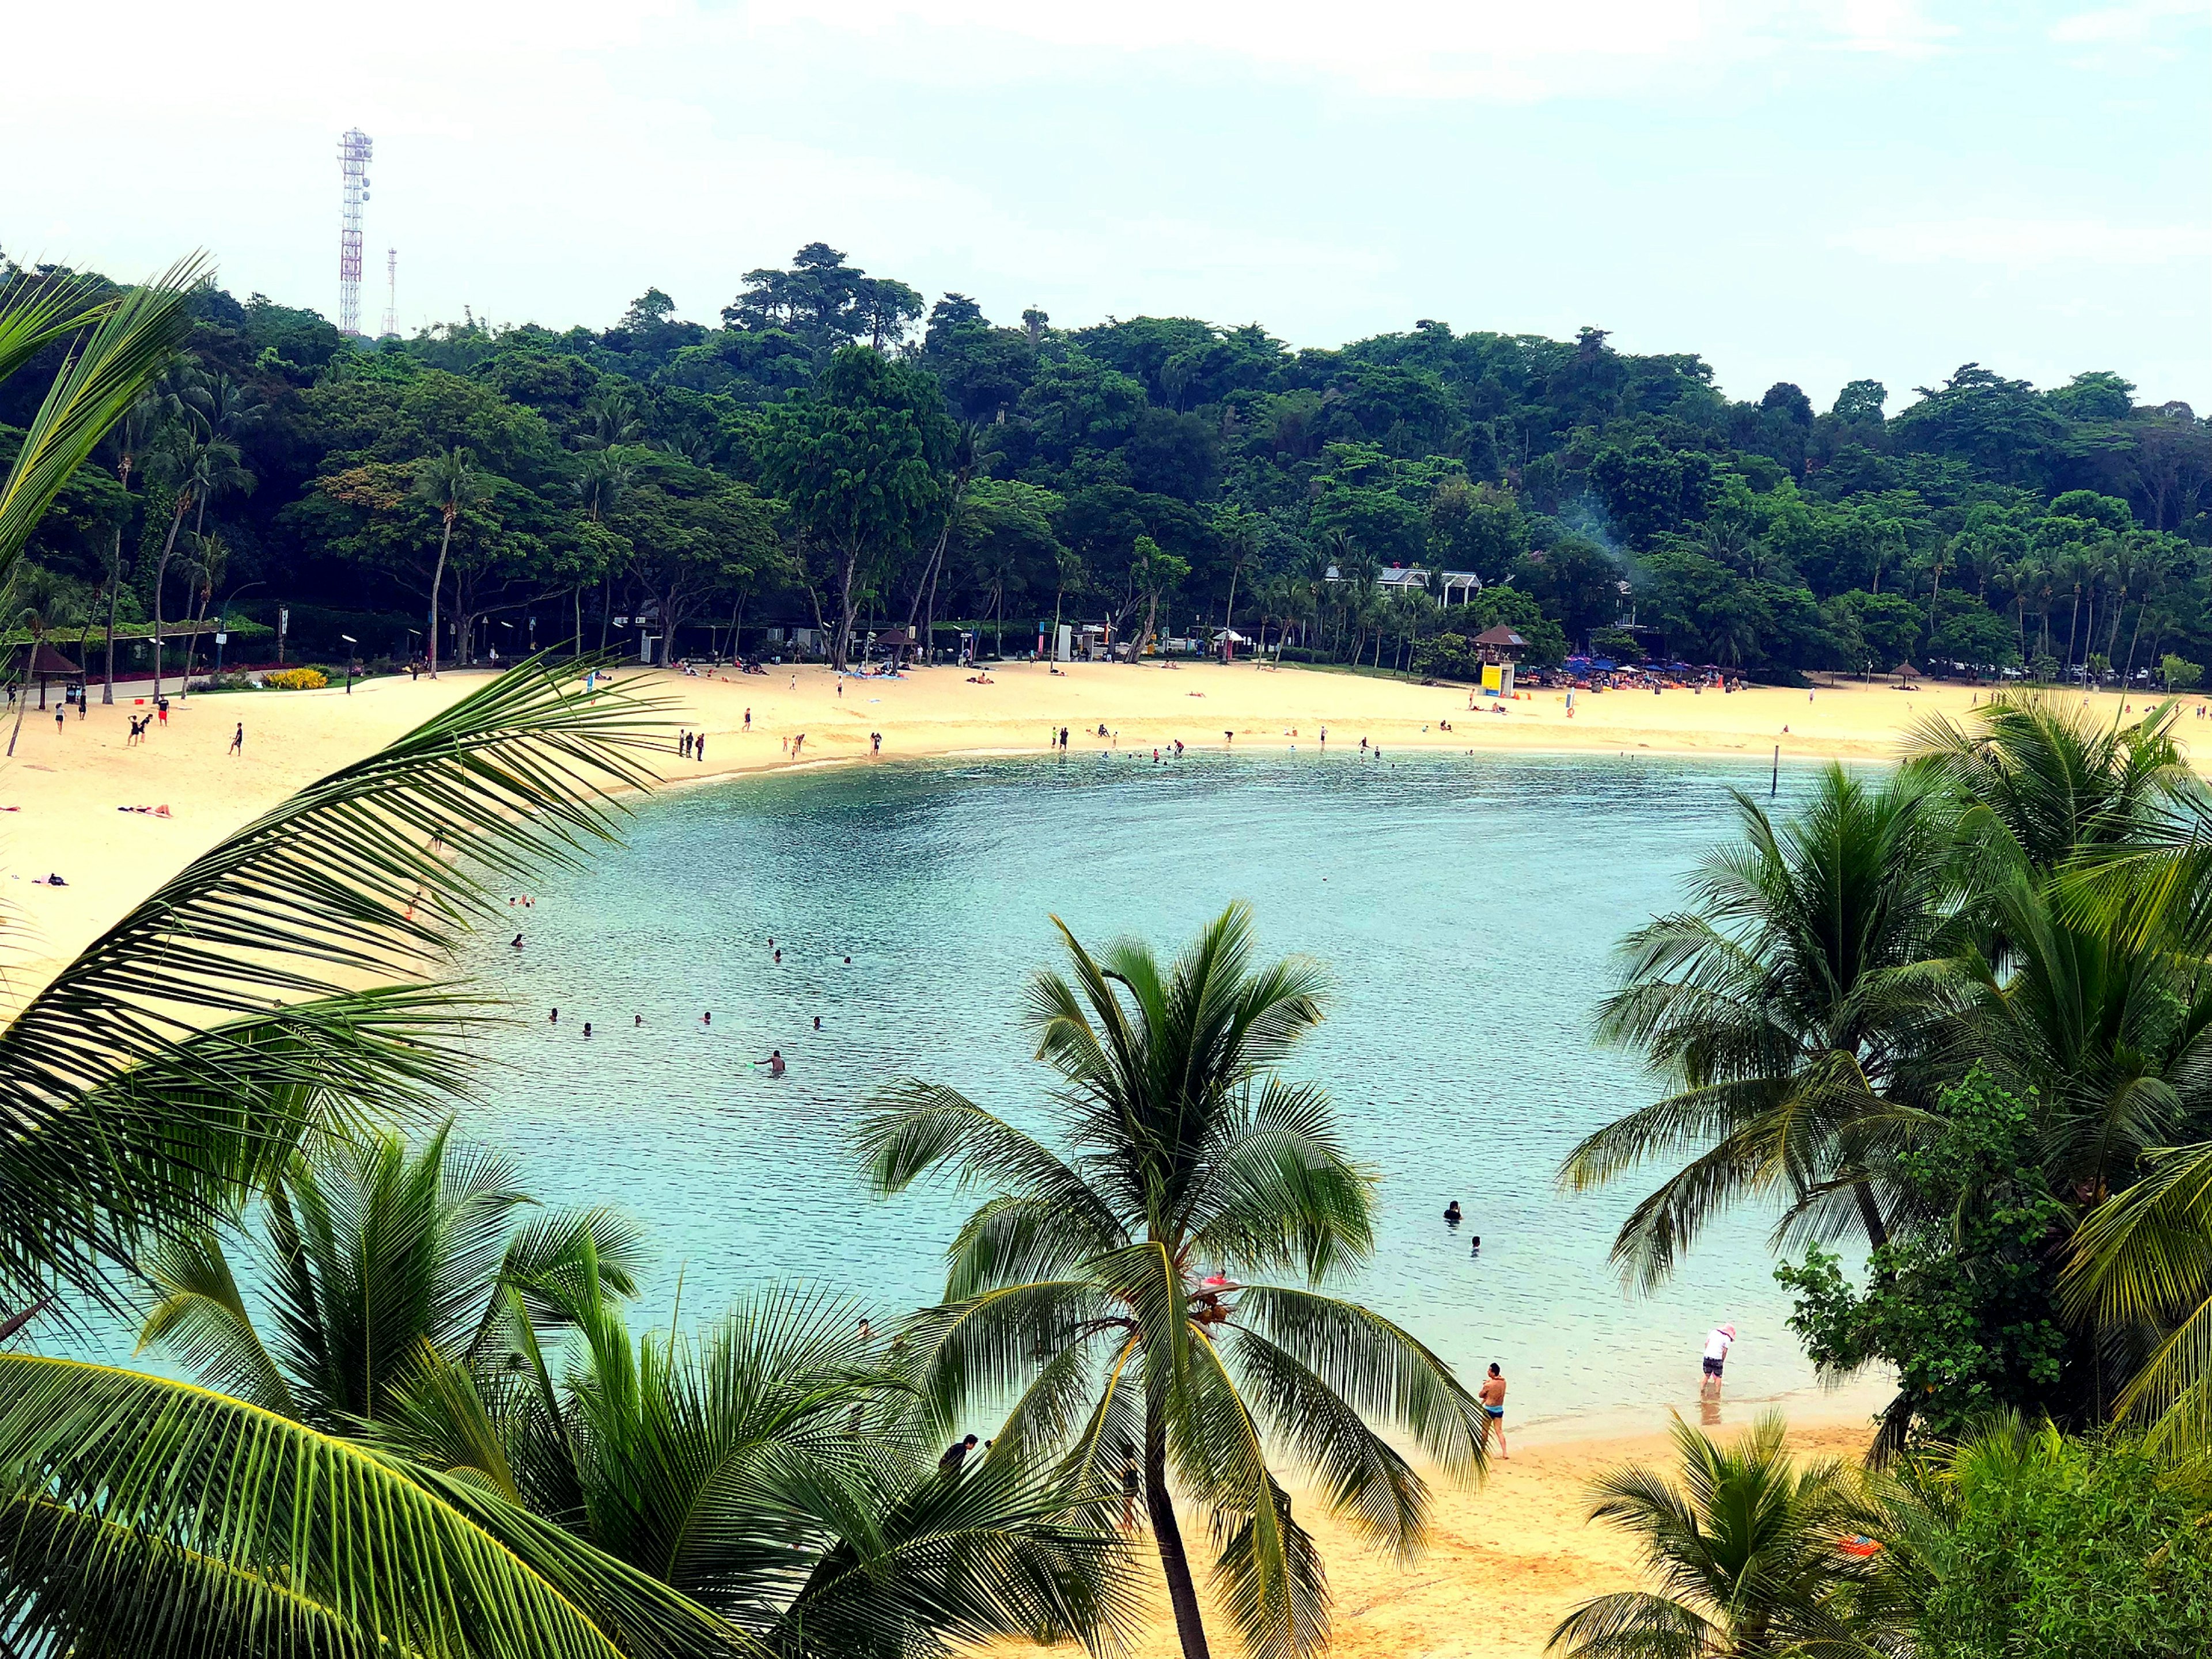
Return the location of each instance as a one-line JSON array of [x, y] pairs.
[[2133, 23], [2028, 242], [1500, 50]]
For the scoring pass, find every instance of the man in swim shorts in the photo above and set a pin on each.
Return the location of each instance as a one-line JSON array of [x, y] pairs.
[[1718, 1340], [1491, 1395]]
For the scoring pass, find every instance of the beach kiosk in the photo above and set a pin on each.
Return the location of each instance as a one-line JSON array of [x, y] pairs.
[[1500, 648], [48, 664]]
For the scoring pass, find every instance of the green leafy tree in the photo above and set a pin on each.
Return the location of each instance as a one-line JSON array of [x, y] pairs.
[[1960, 1302], [860, 465], [452, 483], [2180, 674], [1083, 1284]]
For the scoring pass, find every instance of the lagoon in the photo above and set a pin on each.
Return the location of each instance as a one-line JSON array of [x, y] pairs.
[[1465, 907]]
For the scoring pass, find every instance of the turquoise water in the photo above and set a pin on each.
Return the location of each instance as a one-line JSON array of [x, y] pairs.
[[1465, 907]]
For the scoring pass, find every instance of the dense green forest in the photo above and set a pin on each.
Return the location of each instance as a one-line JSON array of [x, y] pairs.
[[1160, 473]]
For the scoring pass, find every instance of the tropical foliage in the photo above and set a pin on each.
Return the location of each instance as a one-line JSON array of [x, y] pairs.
[[1980, 522], [1969, 1003], [1110, 1289]]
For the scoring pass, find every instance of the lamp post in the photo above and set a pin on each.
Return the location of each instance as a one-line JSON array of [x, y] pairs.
[[222, 628], [350, 643]]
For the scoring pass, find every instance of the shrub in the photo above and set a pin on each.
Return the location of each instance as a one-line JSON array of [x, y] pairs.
[[295, 680], [2026, 1544]]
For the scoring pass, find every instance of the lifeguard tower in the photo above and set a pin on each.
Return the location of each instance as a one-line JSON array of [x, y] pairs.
[[1500, 648]]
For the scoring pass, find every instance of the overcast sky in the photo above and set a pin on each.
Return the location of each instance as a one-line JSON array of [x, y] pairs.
[[1802, 190]]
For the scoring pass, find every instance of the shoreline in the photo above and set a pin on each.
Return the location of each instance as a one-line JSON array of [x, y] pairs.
[[59, 795]]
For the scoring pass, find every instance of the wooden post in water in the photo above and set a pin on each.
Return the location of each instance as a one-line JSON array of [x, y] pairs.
[[1774, 783]]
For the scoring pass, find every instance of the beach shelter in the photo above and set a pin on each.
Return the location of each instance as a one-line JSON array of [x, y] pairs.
[[47, 663], [1906, 671], [1500, 648]]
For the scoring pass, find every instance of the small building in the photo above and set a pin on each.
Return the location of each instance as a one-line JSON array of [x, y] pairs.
[[1499, 649]]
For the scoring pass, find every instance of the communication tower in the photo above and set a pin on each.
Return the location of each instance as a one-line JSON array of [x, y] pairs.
[[354, 150], [391, 292]]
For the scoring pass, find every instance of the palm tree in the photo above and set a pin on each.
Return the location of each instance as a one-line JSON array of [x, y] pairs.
[[196, 466], [373, 1261], [2056, 779], [452, 483], [1109, 1288], [771, 1470], [1789, 1007], [1742, 1544]]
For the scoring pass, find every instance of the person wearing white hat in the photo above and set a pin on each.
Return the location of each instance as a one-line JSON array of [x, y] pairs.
[[1718, 1340]]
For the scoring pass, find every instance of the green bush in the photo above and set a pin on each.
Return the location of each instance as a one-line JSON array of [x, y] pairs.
[[2046, 1547]]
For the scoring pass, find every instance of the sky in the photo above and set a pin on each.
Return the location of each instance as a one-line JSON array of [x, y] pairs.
[[1812, 190]]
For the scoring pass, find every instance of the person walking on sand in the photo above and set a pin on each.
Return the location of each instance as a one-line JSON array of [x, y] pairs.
[[748, 720], [699, 747], [237, 740], [1491, 1395], [1718, 1341]]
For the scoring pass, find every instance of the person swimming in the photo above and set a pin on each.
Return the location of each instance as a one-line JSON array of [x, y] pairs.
[[518, 941], [553, 1018], [588, 1027], [1452, 1213], [774, 1063]]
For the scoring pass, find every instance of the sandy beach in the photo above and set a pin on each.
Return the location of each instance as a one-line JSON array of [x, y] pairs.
[[62, 789], [1507, 1558]]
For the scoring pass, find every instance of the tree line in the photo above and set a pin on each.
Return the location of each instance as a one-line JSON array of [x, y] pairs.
[[835, 456]]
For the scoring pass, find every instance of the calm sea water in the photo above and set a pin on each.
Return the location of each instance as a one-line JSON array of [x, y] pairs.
[[1466, 909]]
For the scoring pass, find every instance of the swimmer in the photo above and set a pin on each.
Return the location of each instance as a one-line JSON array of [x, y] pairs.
[[779, 956], [1476, 1247], [848, 961], [707, 1018], [553, 1018], [636, 1020], [817, 1022], [588, 1027], [518, 941], [773, 1062], [1452, 1213]]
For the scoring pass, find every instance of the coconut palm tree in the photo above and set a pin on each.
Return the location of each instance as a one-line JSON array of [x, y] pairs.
[[1108, 1289], [2055, 778], [149, 1518], [771, 1469], [194, 465], [371, 1261], [1789, 1008], [1742, 1542], [452, 483]]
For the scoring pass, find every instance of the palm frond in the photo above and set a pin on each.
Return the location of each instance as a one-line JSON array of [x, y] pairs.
[[133, 338], [365, 875], [144, 1516]]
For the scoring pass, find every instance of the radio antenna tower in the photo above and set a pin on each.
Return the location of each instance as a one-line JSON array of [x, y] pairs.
[[354, 150], [391, 292]]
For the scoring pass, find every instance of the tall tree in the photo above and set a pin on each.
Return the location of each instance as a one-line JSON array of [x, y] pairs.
[[861, 464], [1084, 1285], [452, 483]]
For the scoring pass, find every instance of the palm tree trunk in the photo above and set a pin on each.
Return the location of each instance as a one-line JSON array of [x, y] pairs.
[[437, 582], [114, 580], [1167, 1537], [1870, 1213], [161, 576], [2073, 624]]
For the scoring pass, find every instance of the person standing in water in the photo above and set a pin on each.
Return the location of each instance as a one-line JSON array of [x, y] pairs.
[[1718, 1341], [1492, 1397]]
